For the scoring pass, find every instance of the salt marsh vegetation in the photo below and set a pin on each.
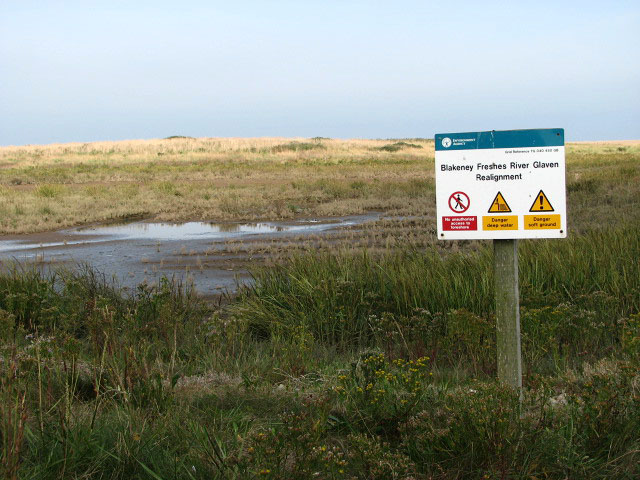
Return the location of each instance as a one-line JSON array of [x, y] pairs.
[[367, 353]]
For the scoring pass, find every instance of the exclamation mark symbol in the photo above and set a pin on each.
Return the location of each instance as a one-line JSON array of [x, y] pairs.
[[541, 204]]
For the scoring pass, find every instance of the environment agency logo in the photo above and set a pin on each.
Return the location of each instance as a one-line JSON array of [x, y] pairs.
[[446, 142]]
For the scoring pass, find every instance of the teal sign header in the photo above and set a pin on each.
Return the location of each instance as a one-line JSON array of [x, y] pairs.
[[543, 137]]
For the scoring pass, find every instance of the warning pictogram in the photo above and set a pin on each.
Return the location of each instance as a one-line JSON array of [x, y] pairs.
[[541, 203], [499, 204], [459, 202]]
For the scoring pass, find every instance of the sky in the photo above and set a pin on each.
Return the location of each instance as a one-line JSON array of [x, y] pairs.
[[80, 71]]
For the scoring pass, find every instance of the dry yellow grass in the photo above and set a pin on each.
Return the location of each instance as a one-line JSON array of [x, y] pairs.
[[46, 187], [185, 149]]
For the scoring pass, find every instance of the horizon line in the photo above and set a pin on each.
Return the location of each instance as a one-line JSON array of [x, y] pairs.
[[187, 137]]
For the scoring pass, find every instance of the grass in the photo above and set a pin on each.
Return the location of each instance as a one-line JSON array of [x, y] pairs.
[[285, 381], [217, 178], [249, 179], [394, 147], [298, 147], [352, 297], [364, 355]]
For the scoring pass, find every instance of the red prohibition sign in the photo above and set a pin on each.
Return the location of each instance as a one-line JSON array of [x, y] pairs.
[[459, 202]]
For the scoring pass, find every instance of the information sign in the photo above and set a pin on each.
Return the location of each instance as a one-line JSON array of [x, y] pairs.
[[501, 184]]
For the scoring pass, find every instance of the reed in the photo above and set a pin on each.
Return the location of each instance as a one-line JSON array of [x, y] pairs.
[[334, 293]]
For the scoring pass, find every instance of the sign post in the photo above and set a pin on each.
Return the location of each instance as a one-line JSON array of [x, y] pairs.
[[505, 254], [502, 186]]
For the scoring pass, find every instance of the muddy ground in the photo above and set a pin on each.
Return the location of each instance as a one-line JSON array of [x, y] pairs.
[[215, 257]]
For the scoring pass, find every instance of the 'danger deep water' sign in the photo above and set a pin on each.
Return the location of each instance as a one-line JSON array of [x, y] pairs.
[[501, 184]]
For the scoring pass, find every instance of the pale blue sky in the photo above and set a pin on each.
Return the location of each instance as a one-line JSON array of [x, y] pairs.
[[83, 70]]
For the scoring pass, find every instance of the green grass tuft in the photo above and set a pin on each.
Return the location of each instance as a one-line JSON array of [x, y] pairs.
[[394, 147], [298, 147]]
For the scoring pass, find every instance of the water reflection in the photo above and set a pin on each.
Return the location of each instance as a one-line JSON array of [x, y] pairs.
[[167, 231], [184, 231]]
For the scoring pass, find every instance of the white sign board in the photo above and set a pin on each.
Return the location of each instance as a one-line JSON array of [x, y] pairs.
[[501, 184]]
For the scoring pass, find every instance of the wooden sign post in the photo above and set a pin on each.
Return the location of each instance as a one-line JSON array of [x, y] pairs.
[[502, 186], [505, 267]]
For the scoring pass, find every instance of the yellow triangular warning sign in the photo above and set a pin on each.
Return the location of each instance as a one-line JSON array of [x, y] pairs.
[[499, 204], [541, 203]]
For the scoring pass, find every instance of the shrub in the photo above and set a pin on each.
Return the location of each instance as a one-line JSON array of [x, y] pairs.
[[50, 191], [377, 394], [297, 147], [394, 147], [470, 429]]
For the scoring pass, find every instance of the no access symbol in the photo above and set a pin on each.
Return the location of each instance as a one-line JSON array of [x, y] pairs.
[[459, 202]]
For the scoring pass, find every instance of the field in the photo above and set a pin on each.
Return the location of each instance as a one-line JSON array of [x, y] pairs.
[[49, 187], [369, 354]]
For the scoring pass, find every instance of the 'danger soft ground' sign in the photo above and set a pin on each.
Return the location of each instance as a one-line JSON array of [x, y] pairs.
[[501, 184]]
